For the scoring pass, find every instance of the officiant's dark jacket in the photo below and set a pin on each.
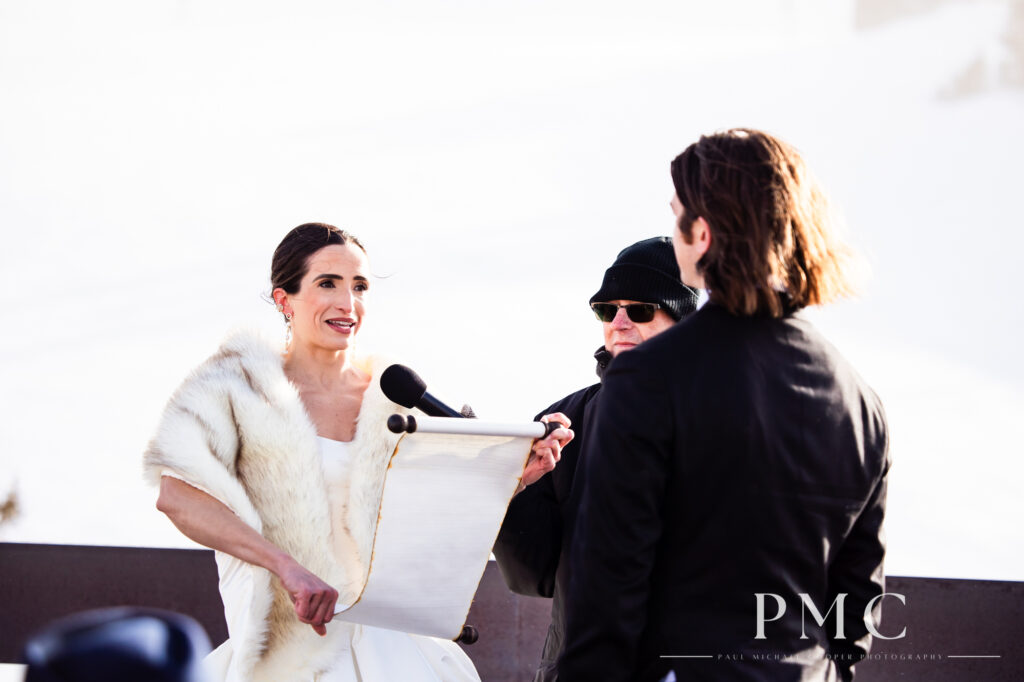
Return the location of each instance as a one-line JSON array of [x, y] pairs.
[[729, 456], [533, 545]]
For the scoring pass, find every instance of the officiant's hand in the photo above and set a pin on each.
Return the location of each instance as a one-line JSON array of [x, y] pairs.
[[547, 451], [314, 599]]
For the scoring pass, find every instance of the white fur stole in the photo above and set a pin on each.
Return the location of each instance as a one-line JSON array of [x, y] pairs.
[[237, 428]]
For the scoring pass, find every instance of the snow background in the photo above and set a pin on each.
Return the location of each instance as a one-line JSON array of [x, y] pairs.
[[494, 157]]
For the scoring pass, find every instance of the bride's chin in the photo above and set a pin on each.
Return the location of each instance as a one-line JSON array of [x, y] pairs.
[[333, 344], [341, 343]]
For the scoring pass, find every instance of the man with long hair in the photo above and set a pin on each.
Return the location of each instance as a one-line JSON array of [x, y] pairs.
[[734, 481]]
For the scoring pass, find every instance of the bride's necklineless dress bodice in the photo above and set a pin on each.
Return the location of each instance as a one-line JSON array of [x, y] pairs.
[[337, 461], [336, 458]]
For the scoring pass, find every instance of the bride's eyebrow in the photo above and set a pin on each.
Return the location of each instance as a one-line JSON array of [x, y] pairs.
[[327, 275]]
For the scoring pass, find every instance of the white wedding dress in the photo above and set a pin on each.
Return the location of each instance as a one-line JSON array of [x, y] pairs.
[[373, 654]]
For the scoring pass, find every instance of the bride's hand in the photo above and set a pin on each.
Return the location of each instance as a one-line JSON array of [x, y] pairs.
[[546, 452], [314, 599]]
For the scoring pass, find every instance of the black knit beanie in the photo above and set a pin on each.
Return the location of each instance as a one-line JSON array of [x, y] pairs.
[[647, 272]]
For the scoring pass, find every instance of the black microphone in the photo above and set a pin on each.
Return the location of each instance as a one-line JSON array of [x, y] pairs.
[[403, 386]]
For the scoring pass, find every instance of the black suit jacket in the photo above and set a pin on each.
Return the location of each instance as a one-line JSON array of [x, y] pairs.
[[729, 456]]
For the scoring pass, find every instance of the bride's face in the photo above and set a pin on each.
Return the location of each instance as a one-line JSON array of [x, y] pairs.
[[329, 307]]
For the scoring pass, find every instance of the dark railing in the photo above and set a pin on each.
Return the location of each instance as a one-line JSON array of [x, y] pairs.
[[945, 619]]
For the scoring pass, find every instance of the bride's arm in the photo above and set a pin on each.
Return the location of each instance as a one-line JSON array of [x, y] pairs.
[[205, 520]]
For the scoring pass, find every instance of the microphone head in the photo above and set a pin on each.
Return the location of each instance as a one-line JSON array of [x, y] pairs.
[[402, 385]]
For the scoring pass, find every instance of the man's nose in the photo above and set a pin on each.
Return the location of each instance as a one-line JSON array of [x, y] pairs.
[[621, 320]]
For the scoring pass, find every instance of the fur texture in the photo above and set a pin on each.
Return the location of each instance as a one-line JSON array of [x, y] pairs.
[[238, 429]]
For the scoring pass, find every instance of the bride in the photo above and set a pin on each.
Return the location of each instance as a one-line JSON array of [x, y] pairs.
[[275, 460]]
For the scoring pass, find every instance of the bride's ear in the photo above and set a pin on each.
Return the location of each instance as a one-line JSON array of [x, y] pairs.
[[281, 301]]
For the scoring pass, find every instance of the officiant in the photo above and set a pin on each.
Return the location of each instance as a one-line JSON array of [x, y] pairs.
[[640, 297]]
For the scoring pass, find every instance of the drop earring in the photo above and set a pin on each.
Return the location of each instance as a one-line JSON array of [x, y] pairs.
[[287, 330]]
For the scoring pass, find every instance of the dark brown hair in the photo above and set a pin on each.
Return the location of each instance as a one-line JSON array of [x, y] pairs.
[[773, 244], [291, 257]]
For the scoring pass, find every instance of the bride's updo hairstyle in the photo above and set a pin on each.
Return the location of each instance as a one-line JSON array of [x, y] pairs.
[[291, 257]]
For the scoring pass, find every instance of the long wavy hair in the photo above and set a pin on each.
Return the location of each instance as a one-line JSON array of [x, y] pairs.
[[773, 242]]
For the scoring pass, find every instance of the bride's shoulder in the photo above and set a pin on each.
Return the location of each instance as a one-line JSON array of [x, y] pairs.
[[250, 345], [246, 355]]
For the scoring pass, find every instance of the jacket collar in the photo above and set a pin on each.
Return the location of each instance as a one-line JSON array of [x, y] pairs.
[[603, 358]]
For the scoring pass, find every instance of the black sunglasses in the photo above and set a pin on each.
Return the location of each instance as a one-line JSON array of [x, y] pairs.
[[636, 312]]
